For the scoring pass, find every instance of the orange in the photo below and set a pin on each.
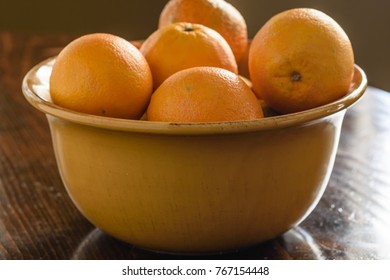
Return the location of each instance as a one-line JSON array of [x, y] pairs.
[[204, 94], [216, 14], [102, 74], [300, 59], [183, 45]]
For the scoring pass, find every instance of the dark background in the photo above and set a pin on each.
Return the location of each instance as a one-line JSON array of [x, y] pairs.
[[367, 22]]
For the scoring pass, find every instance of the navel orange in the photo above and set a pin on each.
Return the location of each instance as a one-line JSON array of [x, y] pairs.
[[203, 94], [216, 14], [183, 45], [300, 59], [102, 74]]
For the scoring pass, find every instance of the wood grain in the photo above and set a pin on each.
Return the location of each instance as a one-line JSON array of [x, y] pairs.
[[39, 221]]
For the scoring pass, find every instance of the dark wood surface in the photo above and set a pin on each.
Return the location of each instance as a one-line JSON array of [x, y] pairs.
[[38, 220]]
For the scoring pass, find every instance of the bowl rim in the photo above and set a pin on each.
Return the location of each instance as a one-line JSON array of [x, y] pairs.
[[31, 80]]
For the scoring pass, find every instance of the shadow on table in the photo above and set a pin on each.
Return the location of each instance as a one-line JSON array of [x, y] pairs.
[[295, 244]]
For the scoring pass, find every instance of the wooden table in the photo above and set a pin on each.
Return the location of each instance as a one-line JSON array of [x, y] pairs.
[[38, 220]]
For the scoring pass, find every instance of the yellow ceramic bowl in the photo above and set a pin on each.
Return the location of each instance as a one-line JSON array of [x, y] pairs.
[[193, 188]]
